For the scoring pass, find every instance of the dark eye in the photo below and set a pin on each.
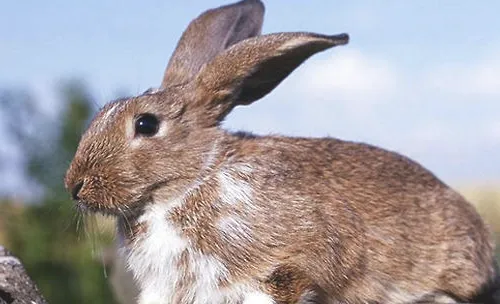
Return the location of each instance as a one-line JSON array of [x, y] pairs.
[[146, 125]]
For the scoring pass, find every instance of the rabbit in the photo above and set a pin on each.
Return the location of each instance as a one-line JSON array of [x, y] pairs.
[[212, 216]]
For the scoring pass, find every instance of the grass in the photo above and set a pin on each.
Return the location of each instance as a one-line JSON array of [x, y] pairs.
[[486, 199]]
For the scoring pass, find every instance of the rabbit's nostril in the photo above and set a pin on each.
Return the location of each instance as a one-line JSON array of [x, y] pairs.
[[76, 189]]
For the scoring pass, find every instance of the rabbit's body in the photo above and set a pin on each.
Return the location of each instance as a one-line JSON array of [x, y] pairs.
[[400, 237], [215, 217]]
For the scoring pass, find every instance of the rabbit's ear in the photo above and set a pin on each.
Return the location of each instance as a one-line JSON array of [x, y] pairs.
[[212, 32], [252, 68]]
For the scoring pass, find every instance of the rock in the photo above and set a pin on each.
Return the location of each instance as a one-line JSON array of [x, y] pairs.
[[16, 287]]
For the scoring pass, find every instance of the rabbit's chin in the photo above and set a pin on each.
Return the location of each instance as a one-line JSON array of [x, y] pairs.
[[122, 210]]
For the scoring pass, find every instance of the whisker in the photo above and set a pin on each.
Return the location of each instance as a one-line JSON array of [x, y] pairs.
[[70, 221], [92, 223], [101, 242], [127, 223], [86, 226], [78, 224], [104, 270]]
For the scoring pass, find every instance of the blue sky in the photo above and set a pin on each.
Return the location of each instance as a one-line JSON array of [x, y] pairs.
[[418, 77]]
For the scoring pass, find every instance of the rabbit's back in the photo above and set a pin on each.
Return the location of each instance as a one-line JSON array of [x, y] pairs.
[[379, 217]]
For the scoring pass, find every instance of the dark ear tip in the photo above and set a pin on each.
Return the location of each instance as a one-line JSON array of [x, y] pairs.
[[253, 2], [257, 4], [340, 39]]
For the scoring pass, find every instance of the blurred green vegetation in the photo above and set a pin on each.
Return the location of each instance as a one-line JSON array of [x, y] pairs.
[[486, 198], [47, 234]]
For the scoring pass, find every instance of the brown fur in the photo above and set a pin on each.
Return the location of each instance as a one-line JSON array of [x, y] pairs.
[[324, 220], [289, 284]]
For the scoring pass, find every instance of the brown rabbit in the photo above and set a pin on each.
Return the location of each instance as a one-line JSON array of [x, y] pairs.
[[210, 216]]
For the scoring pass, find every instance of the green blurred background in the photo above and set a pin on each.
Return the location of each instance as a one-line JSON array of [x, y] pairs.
[[61, 250]]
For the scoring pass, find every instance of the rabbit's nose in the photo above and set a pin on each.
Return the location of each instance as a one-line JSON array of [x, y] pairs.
[[75, 191]]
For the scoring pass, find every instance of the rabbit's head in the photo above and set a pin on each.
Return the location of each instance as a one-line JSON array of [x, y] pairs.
[[166, 137]]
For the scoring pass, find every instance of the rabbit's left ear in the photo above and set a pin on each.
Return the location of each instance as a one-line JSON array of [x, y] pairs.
[[209, 34], [252, 68]]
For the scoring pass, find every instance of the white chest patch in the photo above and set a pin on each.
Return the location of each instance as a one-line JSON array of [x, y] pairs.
[[154, 258]]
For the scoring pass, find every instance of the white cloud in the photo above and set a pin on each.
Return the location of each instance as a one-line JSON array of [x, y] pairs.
[[478, 79], [493, 131], [350, 76], [429, 133], [46, 94]]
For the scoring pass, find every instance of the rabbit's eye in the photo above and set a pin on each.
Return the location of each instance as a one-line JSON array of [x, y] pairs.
[[146, 125]]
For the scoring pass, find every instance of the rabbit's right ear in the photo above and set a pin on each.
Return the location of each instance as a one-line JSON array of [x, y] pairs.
[[212, 32], [252, 68]]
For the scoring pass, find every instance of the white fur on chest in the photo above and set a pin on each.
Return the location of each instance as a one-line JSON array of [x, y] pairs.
[[154, 259]]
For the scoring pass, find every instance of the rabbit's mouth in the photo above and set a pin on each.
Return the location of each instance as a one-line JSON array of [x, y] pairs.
[[86, 208], [115, 210], [95, 196]]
